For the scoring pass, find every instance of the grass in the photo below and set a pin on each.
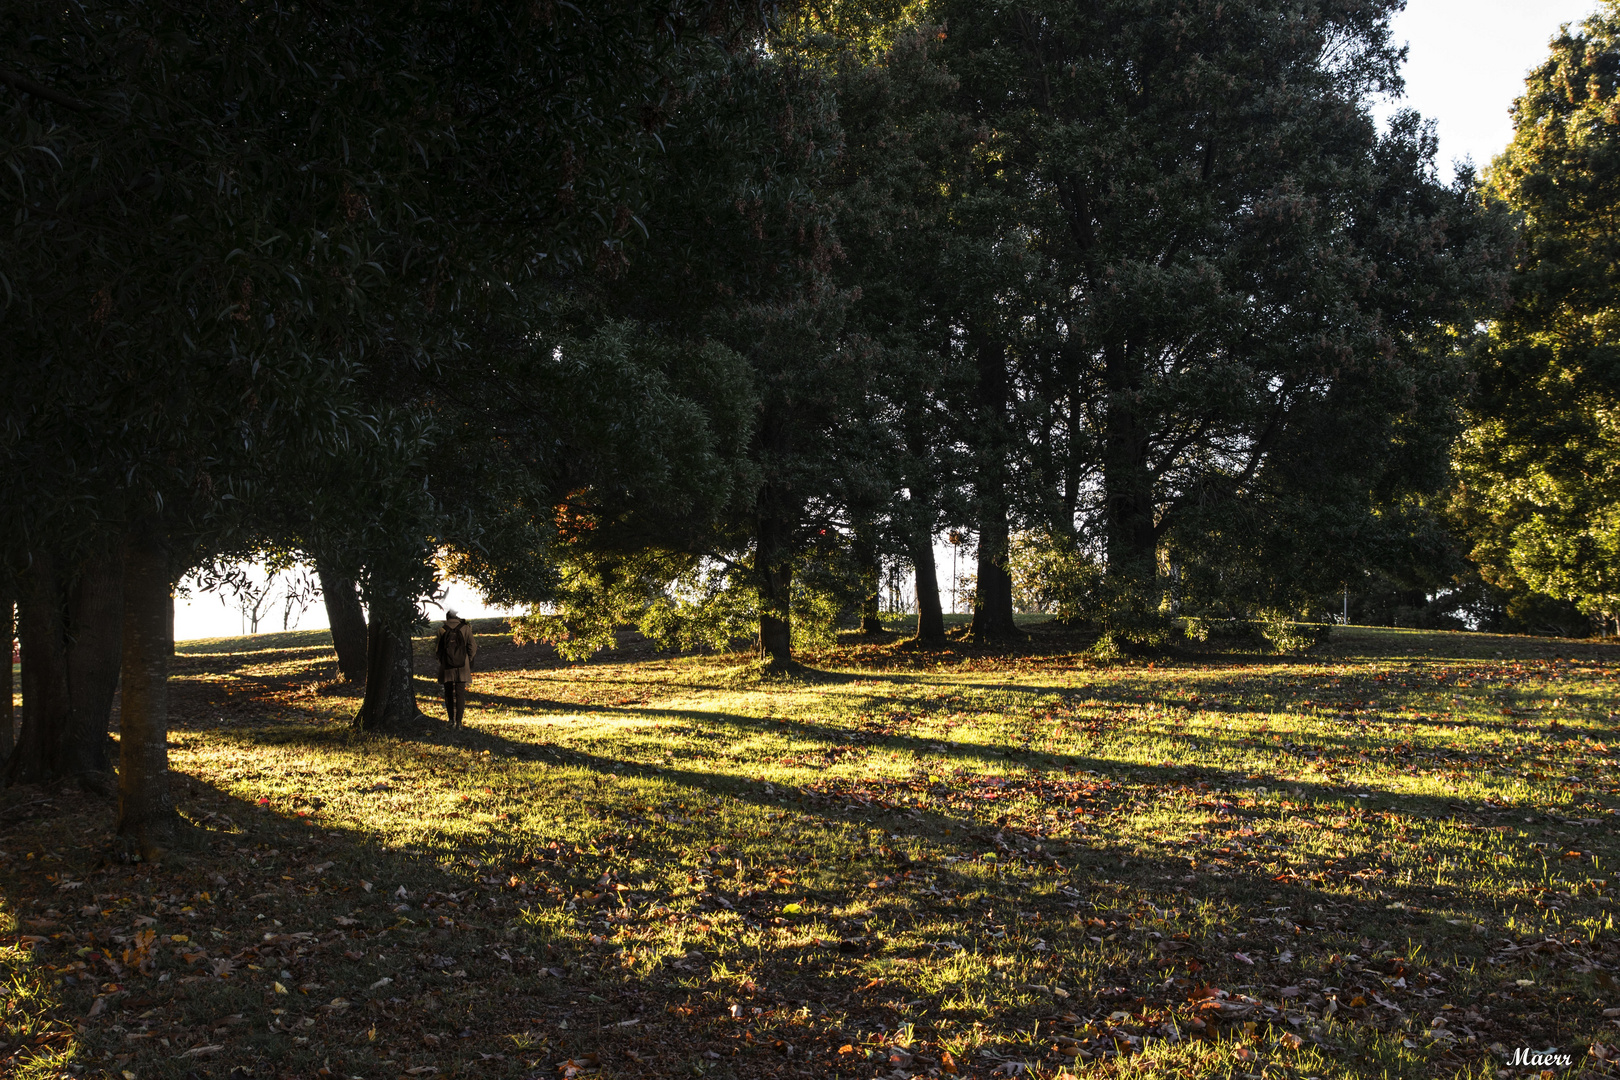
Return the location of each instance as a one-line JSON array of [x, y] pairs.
[[1394, 858]]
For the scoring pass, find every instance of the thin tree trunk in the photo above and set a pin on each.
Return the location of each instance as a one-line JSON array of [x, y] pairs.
[[866, 557], [390, 700], [95, 630], [930, 615], [8, 634], [1127, 485], [992, 593], [146, 816], [42, 635], [348, 621]]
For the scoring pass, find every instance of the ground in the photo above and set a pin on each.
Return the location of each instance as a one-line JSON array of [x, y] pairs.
[[1394, 857]]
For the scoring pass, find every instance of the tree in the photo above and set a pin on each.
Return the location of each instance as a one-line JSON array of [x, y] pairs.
[[348, 622], [737, 270], [1240, 278], [232, 229], [1539, 487], [71, 613], [894, 192]]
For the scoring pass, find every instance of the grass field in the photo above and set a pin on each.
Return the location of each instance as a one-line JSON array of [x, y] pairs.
[[1394, 858]]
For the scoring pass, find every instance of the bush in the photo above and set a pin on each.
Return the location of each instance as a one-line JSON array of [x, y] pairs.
[[1293, 638], [1052, 574], [1280, 633], [1225, 631]]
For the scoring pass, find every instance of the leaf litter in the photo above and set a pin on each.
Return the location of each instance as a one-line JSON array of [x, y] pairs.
[[936, 864]]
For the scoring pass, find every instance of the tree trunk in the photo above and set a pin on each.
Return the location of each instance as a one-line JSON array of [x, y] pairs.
[[95, 631], [1127, 486], [866, 558], [773, 573], [8, 634], [775, 622], [146, 817], [390, 700], [348, 621], [992, 594], [930, 616], [41, 631]]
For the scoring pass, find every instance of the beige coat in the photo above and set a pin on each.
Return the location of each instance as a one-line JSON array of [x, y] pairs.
[[464, 672]]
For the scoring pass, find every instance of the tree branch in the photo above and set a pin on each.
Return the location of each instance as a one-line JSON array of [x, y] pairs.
[[44, 93]]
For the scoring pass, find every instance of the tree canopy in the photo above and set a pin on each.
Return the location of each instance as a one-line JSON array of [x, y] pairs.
[[695, 315], [1540, 488]]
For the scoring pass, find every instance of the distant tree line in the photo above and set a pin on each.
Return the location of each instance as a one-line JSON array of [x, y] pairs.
[[699, 314]]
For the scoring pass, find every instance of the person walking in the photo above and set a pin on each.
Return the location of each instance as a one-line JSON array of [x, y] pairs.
[[456, 649]]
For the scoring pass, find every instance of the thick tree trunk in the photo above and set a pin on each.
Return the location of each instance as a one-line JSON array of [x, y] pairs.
[[42, 634], [94, 652], [992, 594], [390, 700], [930, 615], [775, 623], [773, 573], [775, 583], [8, 635], [866, 557], [348, 621], [146, 817]]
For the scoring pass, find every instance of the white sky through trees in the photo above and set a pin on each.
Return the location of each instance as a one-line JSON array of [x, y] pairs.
[[1467, 63]]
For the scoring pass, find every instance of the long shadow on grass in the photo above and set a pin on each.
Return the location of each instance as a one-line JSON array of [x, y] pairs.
[[974, 835], [993, 912], [1391, 912], [1050, 762], [1094, 699]]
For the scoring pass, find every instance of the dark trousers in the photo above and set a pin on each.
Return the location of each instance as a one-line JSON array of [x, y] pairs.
[[455, 702]]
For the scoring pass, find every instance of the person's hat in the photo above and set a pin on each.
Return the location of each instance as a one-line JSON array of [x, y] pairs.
[[450, 613]]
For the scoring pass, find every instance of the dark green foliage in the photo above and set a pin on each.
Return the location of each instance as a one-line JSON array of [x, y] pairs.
[[1238, 284]]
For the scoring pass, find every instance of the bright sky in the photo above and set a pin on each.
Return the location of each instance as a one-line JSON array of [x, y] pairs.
[[205, 615], [1467, 63]]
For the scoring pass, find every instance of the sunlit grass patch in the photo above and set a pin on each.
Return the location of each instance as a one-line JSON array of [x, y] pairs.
[[1383, 859]]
